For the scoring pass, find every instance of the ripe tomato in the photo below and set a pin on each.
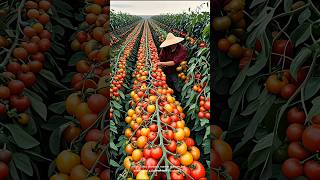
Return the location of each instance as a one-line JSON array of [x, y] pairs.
[[195, 153], [152, 136], [179, 134], [232, 169], [5, 155], [94, 135], [78, 172], [129, 149], [181, 148], [4, 92], [151, 163], [296, 150], [143, 175], [294, 132], [216, 131], [186, 158], [312, 169], [174, 161], [59, 176], [215, 159], [4, 170], [153, 128], [292, 168], [105, 175], [127, 162], [89, 154], [223, 149], [311, 138], [156, 152], [16, 87], [197, 170], [275, 83], [224, 45], [151, 108], [172, 146], [147, 152], [88, 120], [97, 103], [66, 160], [189, 142], [137, 155], [186, 171], [166, 119], [142, 141], [81, 110], [176, 175], [296, 116], [288, 90], [71, 132], [235, 51], [282, 47], [221, 23]]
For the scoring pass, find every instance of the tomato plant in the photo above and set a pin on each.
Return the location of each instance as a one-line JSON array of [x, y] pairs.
[[266, 87]]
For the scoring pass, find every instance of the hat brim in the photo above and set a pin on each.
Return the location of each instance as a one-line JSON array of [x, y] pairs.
[[171, 42]]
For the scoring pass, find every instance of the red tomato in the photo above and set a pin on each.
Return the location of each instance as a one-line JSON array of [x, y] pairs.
[[156, 153], [189, 142], [292, 168], [176, 175], [232, 169], [174, 161], [172, 146], [151, 163], [197, 170], [312, 169], [147, 152]]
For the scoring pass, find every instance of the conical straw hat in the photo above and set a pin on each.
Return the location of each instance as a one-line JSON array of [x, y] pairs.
[[171, 39]]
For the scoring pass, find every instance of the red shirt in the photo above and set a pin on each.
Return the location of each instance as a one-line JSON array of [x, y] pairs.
[[179, 55]]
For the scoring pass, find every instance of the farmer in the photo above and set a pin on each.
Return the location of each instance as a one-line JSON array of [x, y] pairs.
[[171, 55]]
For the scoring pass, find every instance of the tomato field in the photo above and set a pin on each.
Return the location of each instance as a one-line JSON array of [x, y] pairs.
[[151, 135], [54, 67], [266, 90]]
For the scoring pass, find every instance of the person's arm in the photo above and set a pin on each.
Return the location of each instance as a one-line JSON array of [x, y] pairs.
[[167, 63]]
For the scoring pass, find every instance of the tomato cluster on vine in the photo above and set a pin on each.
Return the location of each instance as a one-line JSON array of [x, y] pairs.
[[304, 145], [157, 133], [221, 157], [88, 104]]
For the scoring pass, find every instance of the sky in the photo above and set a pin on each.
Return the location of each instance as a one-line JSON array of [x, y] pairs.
[[155, 7]]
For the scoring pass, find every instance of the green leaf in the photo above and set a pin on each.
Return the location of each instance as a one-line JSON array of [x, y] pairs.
[[113, 146], [58, 107], [22, 139], [256, 120], [55, 138], [13, 171], [38, 106], [304, 15], [312, 87], [64, 22], [113, 163], [255, 3], [239, 80], [251, 108], [300, 58], [301, 33], [76, 57], [253, 90], [23, 163], [261, 59], [51, 78]]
